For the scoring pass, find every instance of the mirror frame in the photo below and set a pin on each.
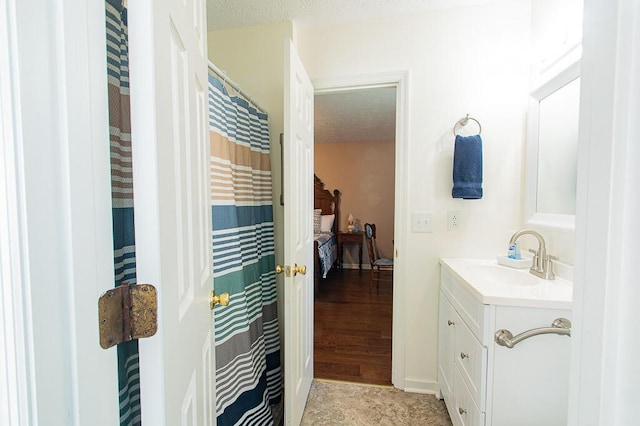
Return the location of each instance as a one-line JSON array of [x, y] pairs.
[[563, 222]]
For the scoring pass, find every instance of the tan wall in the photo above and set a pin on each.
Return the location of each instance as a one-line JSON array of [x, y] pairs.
[[364, 174], [254, 58]]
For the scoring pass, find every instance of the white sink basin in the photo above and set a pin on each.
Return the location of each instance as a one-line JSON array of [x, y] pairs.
[[504, 275], [494, 284]]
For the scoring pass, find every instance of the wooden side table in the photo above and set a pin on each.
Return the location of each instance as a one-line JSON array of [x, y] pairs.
[[350, 238]]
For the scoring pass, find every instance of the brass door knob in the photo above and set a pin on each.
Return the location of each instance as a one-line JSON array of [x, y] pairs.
[[299, 269], [222, 299], [279, 269]]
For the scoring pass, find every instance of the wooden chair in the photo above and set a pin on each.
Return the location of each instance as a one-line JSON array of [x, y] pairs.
[[381, 268]]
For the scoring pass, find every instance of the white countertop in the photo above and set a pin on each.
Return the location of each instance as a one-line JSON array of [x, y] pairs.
[[556, 293]]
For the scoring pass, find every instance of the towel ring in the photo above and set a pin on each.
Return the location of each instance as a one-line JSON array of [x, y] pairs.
[[464, 121]]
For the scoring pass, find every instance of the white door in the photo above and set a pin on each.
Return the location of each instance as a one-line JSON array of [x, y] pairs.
[[169, 95], [298, 235]]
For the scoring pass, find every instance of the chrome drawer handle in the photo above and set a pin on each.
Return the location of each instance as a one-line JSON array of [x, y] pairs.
[[463, 355], [449, 322], [462, 410], [561, 326]]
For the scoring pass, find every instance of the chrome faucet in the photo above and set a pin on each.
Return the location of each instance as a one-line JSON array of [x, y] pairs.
[[542, 265]]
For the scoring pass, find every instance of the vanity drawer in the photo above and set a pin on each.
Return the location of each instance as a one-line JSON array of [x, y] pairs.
[[472, 311], [471, 359], [465, 412]]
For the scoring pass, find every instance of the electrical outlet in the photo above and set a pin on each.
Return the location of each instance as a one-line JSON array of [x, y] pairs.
[[422, 222], [453, 220]]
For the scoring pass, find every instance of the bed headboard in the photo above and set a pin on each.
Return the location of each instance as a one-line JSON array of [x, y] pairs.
[[327, 202]]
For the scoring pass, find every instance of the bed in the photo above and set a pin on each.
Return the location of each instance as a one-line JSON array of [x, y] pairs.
[[326, 225]]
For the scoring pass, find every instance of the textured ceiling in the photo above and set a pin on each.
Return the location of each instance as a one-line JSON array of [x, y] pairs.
[[364, 115], [223, 14]]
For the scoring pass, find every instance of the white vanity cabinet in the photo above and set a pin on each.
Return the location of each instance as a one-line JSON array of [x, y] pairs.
[[484, 383], [462, 355]]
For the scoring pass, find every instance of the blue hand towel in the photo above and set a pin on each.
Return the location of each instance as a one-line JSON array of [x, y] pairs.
[[467, 167]]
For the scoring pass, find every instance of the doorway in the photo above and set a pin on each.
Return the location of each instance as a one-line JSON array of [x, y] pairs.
[[355, 147]]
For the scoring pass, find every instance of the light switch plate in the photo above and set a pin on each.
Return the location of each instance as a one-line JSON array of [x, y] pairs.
[[422, 222]]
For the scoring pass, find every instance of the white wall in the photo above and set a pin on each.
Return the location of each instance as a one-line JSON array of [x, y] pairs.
[[472, 60], [556, 29], [556, 39]]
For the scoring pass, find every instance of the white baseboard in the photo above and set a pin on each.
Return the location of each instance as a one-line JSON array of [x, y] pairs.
[[420, 386]]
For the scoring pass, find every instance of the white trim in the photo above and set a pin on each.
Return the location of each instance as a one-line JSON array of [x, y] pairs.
[[558, 222], [551, 221], [605, 335], [421, 386], [399, 79], [17, 401], [63, 179]]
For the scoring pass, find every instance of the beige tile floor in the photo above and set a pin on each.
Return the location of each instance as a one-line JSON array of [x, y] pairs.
[[336, 403]]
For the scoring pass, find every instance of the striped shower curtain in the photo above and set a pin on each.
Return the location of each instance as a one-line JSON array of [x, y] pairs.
[[122, 195], [248, 375]]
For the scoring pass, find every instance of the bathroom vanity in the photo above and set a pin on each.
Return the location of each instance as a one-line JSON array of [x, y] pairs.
[[483, 382]]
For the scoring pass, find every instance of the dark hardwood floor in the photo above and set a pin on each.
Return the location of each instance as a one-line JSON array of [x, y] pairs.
[[352, 336]]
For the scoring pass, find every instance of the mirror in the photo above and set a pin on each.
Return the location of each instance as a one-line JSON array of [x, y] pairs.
[[552, 151]]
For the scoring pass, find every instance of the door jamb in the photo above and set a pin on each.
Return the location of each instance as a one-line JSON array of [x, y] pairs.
[[399, 79], [60, 249]]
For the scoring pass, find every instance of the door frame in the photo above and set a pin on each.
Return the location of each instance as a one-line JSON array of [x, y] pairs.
[[61, 248], [399, 79], [604, 338]]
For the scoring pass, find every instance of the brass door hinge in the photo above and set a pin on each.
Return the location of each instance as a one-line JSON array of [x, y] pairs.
[[126, 313]]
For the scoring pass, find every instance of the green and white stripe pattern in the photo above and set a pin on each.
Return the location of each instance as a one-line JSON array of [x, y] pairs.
[[248, 374], [124, 255]]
